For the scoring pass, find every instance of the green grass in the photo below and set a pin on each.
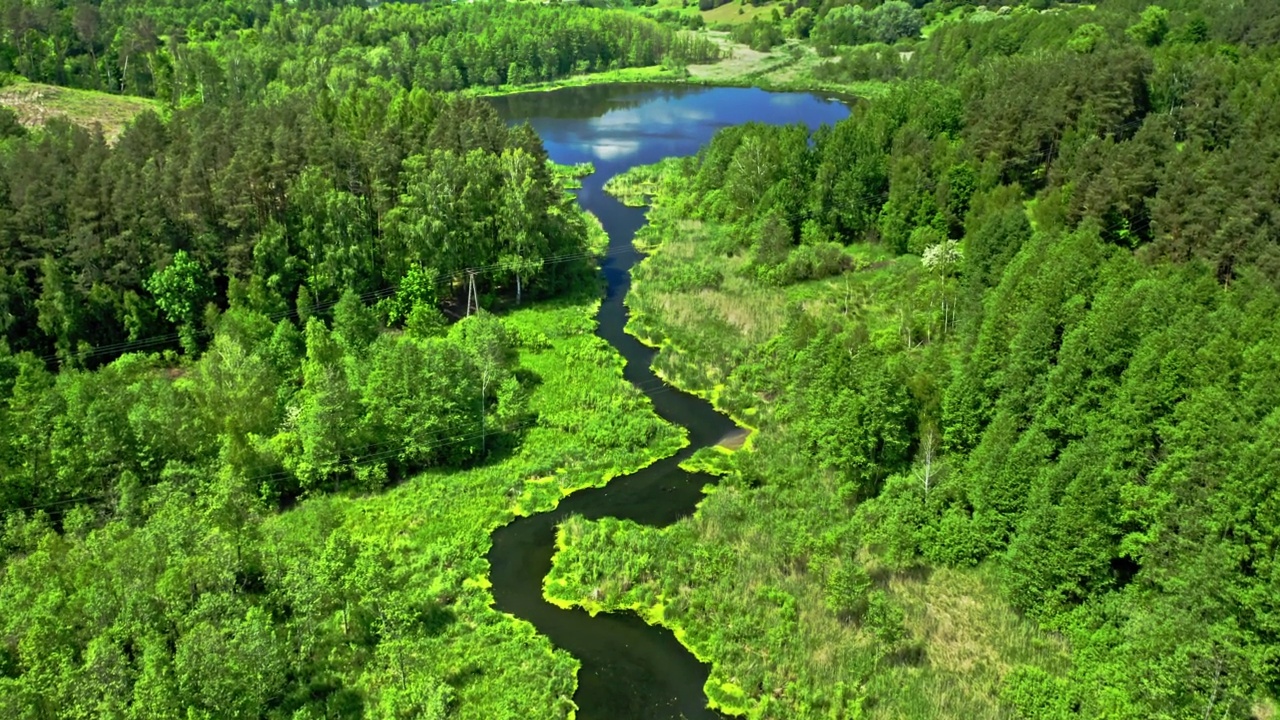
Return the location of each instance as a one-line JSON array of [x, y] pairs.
[[728, 14], [742, 583], [435, 528], [36, 103]]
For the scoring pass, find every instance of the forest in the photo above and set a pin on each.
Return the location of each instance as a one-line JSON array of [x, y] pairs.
[[254, 437], [278, 358], [1021, 313], [201, 53]]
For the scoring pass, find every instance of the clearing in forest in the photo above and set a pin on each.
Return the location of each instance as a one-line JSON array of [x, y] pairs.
[[36, 103]]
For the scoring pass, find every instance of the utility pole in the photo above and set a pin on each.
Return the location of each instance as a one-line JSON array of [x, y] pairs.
[[471, 292]]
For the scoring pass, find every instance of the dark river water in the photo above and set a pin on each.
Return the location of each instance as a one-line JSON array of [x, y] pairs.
[[630, 670]]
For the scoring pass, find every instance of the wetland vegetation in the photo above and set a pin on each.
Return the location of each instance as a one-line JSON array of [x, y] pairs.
[[316, 400]]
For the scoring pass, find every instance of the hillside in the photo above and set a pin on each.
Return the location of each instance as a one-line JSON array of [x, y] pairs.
[[35, 103]]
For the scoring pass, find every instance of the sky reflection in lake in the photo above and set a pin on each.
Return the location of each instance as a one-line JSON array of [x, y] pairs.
[[619, 126]]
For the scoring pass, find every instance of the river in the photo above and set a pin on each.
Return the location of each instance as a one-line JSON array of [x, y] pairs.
[[630, 670]]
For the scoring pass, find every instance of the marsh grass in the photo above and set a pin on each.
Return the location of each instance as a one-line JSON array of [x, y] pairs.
[[434, 529], [970, 638], [638, 186]]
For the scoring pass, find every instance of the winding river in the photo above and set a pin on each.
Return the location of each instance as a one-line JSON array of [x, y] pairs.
[[630, 670]]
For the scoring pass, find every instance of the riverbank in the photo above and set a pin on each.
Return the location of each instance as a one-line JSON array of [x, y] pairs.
[[746, 582], [432, 532], [630, 668]]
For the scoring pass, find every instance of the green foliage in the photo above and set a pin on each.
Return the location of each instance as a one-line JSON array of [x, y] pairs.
[[1086, 38], [9, 125], [1064, 408], [758, 34], [851, 24], [418, 288], [200, 53], [443, 186], [802, 22], [846, 590], [180, 290], [1152, 28], [354, 325], [170, 589], [1063, 395]]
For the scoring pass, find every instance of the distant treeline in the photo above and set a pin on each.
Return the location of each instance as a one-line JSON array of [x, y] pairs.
[[201, 53]]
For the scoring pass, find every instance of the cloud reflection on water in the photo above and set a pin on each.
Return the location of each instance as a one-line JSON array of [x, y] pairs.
[[615, 132], [649, 116], [613, 149]]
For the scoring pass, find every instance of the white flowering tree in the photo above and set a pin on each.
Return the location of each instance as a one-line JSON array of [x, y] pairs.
[[942, 258]]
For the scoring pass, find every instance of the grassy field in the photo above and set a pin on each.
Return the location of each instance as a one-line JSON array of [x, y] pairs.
[[729, 13], [35, 103]]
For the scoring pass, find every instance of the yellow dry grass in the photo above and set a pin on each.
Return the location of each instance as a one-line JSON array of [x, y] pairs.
[[751, 310], [729, 14], [756, 317], [972, 640]]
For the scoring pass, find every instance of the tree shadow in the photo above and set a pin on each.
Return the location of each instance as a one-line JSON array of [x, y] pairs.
[[909, 655], [436, 619], [881, 576]]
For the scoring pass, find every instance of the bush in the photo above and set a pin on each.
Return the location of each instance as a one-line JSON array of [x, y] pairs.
[[806, 262], [758, 34], [847, 589], [686, 277], [1086, 38]]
